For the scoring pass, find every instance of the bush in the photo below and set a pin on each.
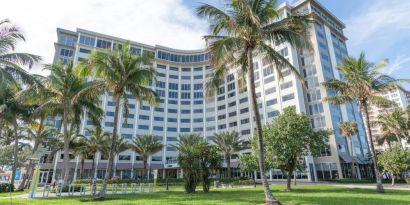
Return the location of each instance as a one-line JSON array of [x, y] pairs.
[[6, 187], [77, 188], [363, 181], [160, 182]]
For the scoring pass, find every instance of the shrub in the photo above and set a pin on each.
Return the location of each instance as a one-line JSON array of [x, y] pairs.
[[6, 187], [77, 188]]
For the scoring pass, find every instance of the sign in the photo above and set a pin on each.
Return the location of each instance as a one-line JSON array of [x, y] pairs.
[[17, 175]]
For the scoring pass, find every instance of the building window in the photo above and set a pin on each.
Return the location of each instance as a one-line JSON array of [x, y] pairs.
[[245, 121], [244, 110], [87, 40], [103, 44], [232, 114], [271, 102], [124, 157], [159, 119], [242, 100], [170, 119], [286, 85], [221, 117], [158, 128], [143, 127], [288, 97], [172, 86], [198, 86]]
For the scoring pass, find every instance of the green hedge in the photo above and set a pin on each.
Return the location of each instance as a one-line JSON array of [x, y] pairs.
[[363, 181], [129, 181], [6, 187], [77, 188]]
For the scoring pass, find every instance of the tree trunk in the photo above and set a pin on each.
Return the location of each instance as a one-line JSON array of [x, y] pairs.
[[66, 158], [108, 174], [228, 164], [144, 171], [392, 180], [294, 179], [379, 188], [289, 181], [351, 154], [269, 199], [82, 168], [93, 165], [15, 152]]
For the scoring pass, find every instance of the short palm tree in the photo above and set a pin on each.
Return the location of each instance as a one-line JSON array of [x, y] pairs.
[[69, 94], [240, 30], [361, 81], [348, 129], [97, 142], [395, 122], [146, 146], [228, 142], [122, 72], [11, 63]]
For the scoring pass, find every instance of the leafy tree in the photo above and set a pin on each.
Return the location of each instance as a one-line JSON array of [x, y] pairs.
[[396, 123], [228, 142], [395, 161], [188, 160], [146, 146], [241, 29], [361, 81], [123, 73], [283, 140], [348, 129]]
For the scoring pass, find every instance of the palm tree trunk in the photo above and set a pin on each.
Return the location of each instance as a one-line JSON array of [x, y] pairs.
[[66, 158], [30, 168], [82, 168], [108, 174], [15, 152], [294, 178], [93, 165], [351, 154], [289, 181], [228, 163], [379, 188], [144, 172], [399, 141], [269, 199]]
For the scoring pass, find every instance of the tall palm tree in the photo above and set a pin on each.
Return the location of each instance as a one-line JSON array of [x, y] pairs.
[[361, 81], [69, 94], [98, 142], [14, 111], [12, 63], [241, 29], [348, 129], [146, 145], [228, 142], [122, 72], [395, 122]]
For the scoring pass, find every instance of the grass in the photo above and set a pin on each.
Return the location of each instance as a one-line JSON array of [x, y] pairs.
[[302, 194]]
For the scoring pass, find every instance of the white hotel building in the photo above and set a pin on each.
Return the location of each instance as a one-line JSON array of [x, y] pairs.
[[183, 108]]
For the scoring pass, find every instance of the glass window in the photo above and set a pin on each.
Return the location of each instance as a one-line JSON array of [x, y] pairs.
[[170, 119], [143, 127], [103, 44]]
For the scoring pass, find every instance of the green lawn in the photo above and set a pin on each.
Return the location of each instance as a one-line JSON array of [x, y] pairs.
[[302, 194]]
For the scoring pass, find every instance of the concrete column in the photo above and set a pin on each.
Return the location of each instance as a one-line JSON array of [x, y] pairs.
[[56, 157], [132, 165], [255, 175], [115, 165], [271, 174], [97, 160], [76, 167]]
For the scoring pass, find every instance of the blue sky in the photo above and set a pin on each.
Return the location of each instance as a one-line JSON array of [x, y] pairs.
[[381, 28]]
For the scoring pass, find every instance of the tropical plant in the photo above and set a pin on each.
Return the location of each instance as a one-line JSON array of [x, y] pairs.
[[361, 81], [239, 30], [98, 142], [386, 138], [146, 145], [188, 160], [348, 129], [12, 63], [14, 111], [69, 94], [228, 142], [283, 141], [209, 160], [121, 146], [395, 161], [122, 72], [395, 122]]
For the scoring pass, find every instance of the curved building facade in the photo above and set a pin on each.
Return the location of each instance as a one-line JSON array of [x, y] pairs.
[[184, 109]]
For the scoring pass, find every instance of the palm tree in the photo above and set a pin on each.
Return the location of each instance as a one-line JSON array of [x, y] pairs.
[[14, 112], [242, 29], [348, 129], [188, 159], [395, 122], [11, 63], [98, 142], [69, 94], [121, 146], [386, 138], [228, 143], [361, 81], [79, 147], [146, 145], [122, 71]]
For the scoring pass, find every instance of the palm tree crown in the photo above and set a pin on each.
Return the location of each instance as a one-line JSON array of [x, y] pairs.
[[396, 123], [348, 129], [146, 146], [228, 143]]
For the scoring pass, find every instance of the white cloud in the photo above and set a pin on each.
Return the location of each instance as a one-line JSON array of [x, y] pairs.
[[164, 22], [379, 26], [397, 64]]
